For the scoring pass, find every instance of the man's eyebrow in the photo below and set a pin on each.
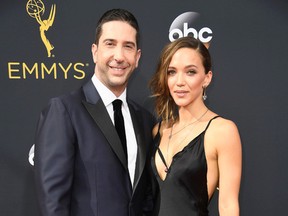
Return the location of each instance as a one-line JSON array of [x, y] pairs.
[[108, 39], [125, 43], [130, 43]]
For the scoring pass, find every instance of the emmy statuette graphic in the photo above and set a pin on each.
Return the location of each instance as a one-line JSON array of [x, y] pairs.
[[36, 9]]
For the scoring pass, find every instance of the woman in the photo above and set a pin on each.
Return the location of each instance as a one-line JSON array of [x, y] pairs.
[[197, 150]]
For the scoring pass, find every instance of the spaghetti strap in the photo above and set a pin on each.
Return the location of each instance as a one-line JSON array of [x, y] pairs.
[[162, 158], [159, 150], [210, 122]]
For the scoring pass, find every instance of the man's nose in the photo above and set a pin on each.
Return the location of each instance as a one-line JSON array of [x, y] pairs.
[[119, 54]]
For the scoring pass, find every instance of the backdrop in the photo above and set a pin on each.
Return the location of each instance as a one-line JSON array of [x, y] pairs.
[[45, 51]]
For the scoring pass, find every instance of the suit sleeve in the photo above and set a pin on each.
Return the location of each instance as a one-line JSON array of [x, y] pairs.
[[54, 159]]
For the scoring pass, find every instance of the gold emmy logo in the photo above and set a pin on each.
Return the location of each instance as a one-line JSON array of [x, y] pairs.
[[36, 9]]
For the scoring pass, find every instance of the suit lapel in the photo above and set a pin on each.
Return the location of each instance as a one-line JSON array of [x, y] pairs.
[[141, 153], [98, 112]]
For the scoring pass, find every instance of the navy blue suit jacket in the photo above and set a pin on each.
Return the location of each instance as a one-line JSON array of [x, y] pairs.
[[80, 168]]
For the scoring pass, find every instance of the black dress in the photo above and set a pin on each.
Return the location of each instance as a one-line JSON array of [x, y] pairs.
[[184, 190]]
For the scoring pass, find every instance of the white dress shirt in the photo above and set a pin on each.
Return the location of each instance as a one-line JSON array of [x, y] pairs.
[[108, 97]]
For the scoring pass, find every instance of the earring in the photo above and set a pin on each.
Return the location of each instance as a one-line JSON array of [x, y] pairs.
[[204, 96]]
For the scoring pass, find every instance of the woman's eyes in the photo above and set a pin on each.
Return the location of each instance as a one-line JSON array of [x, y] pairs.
[[189, 72], [171, 72]]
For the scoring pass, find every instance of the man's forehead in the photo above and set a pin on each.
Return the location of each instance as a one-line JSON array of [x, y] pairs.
[[118, 29]]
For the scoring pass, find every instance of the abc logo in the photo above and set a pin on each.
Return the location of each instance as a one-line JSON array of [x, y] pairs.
[[204, 34], [182, 27]]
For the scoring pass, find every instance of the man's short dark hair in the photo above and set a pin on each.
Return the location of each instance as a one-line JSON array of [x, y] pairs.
[[117, 15]]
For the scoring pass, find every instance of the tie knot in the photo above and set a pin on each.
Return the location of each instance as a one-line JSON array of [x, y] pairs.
[[117, 104]]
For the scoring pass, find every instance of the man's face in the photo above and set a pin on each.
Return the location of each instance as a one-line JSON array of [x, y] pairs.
[[116, 55]]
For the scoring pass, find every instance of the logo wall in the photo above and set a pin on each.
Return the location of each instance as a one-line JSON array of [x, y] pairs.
[[190, 24], [45, 69]]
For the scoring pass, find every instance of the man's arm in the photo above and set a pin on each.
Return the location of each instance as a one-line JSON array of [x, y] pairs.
[[54, 159]]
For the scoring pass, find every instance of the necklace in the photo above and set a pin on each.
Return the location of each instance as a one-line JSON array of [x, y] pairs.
[[172, 134]]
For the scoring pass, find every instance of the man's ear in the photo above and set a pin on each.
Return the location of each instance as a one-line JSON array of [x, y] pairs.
[[94, 49]]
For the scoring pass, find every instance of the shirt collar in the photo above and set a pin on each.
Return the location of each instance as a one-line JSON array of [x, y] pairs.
[[106, 95]]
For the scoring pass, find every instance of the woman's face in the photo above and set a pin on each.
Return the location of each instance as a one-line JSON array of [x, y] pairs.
[[186, 77]]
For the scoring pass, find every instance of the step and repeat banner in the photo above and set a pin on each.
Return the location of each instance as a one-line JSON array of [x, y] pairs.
[[45, 51]]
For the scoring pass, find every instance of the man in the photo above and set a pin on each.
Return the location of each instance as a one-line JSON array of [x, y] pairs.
[[81, 166]]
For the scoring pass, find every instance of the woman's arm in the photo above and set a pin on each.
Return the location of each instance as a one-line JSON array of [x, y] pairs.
[[229, 154]]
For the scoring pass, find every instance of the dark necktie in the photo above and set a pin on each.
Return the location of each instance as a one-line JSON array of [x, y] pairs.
[[119, 123]]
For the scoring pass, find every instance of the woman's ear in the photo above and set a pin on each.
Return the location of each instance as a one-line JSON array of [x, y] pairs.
[[208, 79]]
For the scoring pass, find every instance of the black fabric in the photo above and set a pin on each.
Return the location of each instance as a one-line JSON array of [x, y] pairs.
[[119, 123], [184, 190]]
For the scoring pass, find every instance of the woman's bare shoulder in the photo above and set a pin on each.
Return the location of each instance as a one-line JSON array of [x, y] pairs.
[[220, 123], [223, 131]]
